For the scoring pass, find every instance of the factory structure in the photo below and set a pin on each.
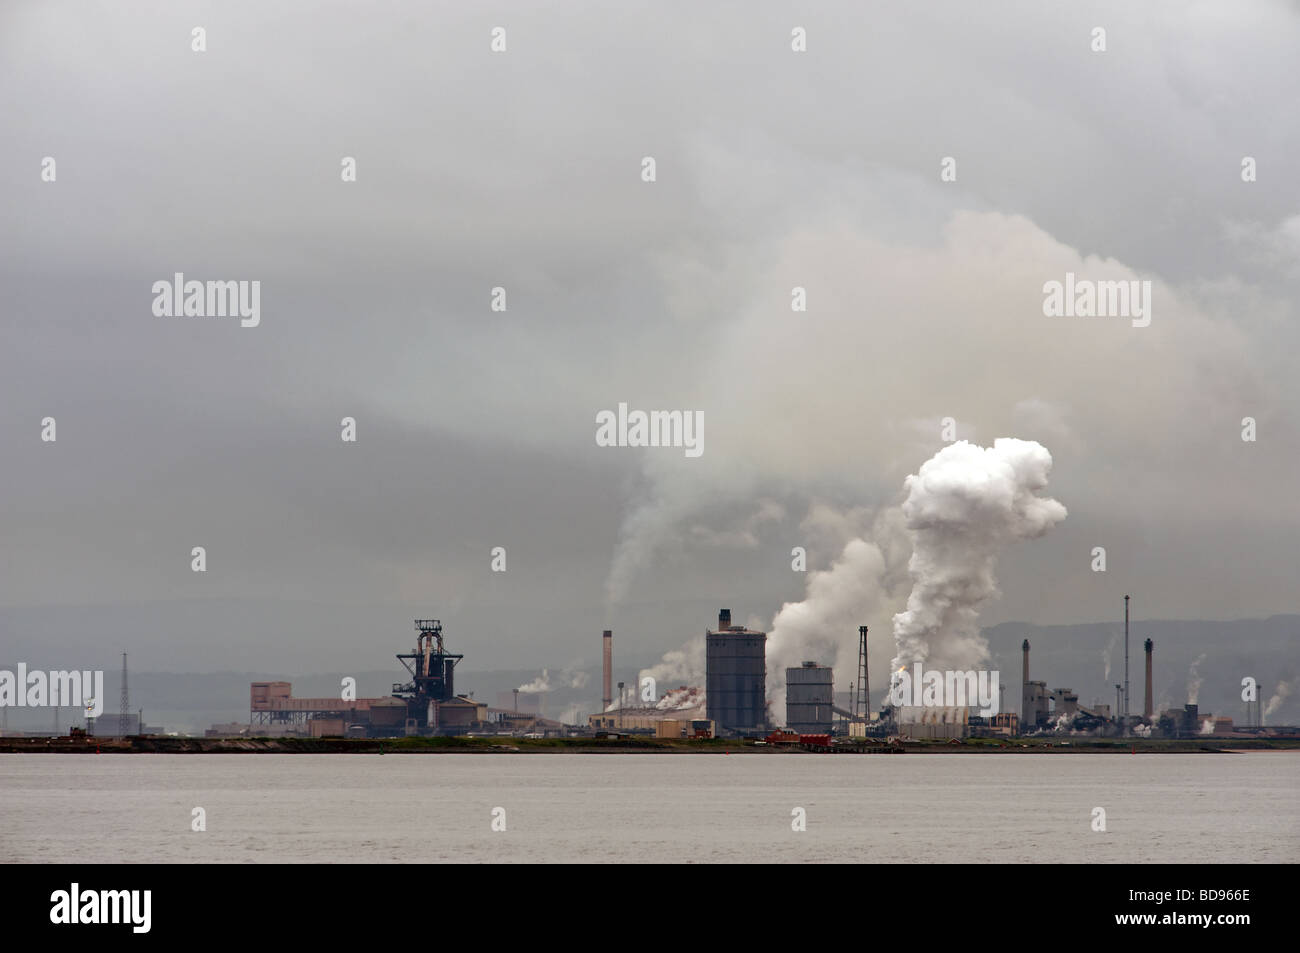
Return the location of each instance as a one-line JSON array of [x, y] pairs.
[[732, 703], [809, 699], [1057, 710], [680, 713], [736, 677], [425, 704]]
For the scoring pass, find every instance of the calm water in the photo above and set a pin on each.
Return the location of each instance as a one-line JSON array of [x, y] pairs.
[[914, 808]]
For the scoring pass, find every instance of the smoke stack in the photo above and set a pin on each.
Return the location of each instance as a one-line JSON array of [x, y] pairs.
[[1146, 710], [724, 620], [1024, 685], [1126, 656], [607, 649]]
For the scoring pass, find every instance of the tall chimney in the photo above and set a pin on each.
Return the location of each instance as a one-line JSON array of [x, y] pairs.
[[607, 649], [1146, 711], [724, 620], [1024, 687], [1126, 656]]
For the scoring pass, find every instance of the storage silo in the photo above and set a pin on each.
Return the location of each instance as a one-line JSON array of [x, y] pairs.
[[808, 698], [736, 678]]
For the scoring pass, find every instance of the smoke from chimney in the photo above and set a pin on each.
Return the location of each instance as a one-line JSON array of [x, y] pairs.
[[1279, 696], [964, 506], [1194, 680], [1106, 654], [822, 625], [541, 683]]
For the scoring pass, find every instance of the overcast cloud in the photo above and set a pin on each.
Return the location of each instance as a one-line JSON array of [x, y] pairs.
[[522, 170]]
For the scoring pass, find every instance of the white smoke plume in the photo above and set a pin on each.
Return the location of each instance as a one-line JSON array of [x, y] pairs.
[[682, 698], [1194, 680], [823, 627], [1207, 727], [542, 683], [683, 666], [1106, 653], [1279, 696], [569, 678], [964, 506]]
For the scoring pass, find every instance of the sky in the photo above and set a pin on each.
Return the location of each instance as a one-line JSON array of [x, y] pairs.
[[523, 169]]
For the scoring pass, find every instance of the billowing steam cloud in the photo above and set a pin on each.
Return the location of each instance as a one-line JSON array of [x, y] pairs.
[[964, 506], [1194, 680], [821, 627], [684, 666], [1279, 696]]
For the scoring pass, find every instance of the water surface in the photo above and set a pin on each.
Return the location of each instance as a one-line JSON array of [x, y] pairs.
[[1168, 808]]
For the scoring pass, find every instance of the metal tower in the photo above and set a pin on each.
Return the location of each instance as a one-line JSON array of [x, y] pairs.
[[432, 670], [126, 703], [1126, 659], [862, 694]]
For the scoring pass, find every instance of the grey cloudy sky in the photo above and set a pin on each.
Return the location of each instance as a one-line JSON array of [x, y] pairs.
[[522, 169]]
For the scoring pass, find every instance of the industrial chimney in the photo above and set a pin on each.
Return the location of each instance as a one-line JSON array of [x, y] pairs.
[[607, 649], [1126, 657], [724, 620], [1146, 711], [1024, 686]]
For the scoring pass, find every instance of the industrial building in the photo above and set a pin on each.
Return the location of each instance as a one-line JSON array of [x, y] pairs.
[[933, 721], [653, 721], [683, 706], [1034, 709], [427, 704], [809, 699], [1042, 708], [736, 678]]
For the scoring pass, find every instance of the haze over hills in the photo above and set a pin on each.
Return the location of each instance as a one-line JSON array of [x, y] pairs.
[[1066, 656]]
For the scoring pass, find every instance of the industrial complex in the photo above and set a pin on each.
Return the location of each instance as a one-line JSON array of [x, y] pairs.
[[732, 702]]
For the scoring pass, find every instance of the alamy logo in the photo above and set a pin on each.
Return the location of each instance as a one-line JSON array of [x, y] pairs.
[[936, 689], [1083, 298], [179, 298], [656, 428], [24, 689], [102, 906]]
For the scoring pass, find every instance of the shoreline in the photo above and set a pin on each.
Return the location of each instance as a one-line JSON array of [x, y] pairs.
[[649, 746]]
